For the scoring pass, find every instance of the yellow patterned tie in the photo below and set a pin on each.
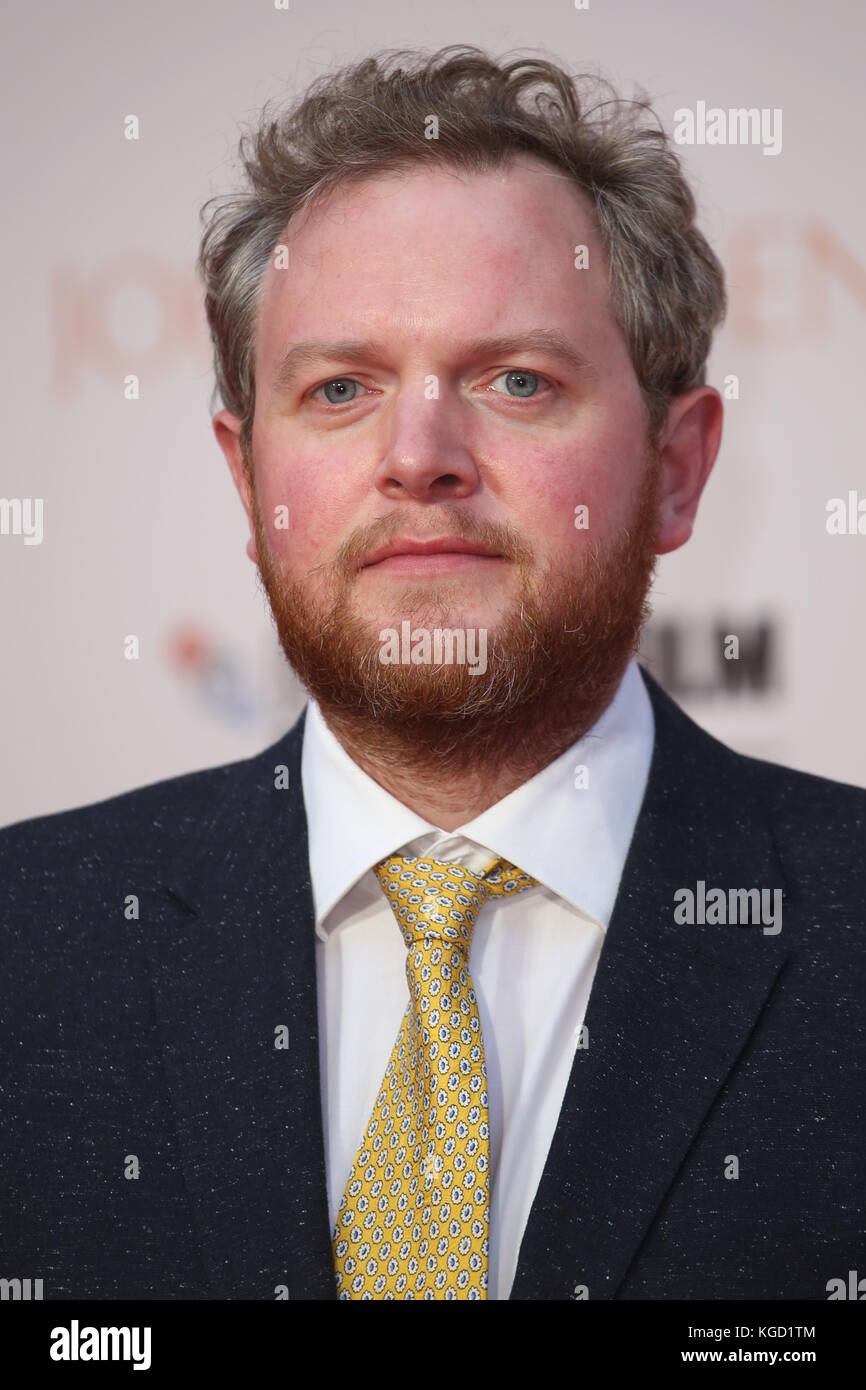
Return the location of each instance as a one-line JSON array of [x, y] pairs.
[[413, 1221]]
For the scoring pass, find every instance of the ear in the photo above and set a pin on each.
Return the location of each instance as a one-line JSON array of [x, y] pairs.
[[227, 428], [688, 447]]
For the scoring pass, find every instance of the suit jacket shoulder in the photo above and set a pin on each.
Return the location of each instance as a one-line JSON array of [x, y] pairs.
[[818, 823], [148, 821]]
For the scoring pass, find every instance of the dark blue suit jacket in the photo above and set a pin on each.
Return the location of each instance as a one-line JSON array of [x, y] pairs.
[[147, 1044]]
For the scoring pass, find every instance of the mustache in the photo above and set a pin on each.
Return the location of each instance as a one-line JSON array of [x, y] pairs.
[[452, 521]]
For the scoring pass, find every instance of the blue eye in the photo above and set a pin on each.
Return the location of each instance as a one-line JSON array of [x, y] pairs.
[[344, 389], [519, 383], [339, 385]]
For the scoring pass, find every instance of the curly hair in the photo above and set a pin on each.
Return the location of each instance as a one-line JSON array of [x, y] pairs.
[[666, 285]]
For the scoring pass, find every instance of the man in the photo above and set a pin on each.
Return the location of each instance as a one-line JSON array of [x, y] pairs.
[[274, 1029]]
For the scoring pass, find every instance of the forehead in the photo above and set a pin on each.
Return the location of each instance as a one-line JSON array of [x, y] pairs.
[[432, 246]]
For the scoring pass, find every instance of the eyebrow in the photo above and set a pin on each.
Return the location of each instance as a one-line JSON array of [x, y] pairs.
[[543, 340]]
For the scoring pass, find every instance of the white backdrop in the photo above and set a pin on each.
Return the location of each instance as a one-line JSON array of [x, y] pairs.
[[142, 530]]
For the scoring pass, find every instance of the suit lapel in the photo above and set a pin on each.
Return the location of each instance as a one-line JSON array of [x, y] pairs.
[[233, 960], [671, 1008]]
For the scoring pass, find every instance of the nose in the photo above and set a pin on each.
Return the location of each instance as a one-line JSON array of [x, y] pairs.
[[426, 458]]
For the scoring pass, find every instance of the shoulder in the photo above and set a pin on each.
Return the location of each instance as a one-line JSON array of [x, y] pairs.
[[137, 827], [809, 814]]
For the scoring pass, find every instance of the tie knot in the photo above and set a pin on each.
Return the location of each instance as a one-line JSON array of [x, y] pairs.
[[432, 898]]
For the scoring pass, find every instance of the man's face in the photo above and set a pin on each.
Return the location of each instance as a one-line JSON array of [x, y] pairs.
[[470, 382]]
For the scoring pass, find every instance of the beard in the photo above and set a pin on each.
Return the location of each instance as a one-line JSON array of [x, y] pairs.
[[553, 662]]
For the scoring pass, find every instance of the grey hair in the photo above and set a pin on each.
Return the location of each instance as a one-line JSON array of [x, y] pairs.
[[666, 284]]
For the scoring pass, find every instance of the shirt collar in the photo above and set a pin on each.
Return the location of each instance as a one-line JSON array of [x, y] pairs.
[[573, 839]]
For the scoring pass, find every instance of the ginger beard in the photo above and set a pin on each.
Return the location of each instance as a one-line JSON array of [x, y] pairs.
[[554, 660]]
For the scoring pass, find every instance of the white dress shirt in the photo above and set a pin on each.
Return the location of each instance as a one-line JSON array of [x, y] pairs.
[[533, 956]]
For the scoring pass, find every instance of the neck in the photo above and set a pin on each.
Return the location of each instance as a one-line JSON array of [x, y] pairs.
[[449, 776]]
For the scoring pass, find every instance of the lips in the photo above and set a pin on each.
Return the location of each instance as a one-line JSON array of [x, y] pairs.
[[445, 545]]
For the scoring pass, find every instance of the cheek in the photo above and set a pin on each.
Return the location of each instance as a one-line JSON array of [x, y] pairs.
[[600, 474], [319, 512]]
